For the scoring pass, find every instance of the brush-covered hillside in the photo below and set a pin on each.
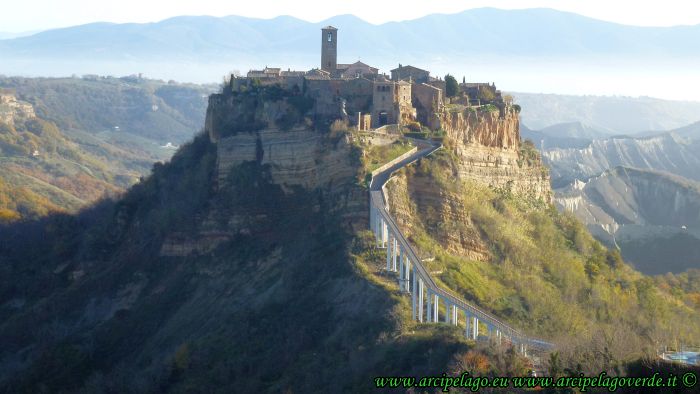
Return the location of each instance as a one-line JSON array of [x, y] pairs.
[[66, 142], [244, 265], [538, 269]]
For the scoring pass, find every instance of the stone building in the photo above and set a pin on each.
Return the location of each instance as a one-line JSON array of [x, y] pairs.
[[356, 70], [391, 102], [357, 92], [410, 73]]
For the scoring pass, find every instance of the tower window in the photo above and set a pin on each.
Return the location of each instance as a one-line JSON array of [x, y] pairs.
[[330, 37]]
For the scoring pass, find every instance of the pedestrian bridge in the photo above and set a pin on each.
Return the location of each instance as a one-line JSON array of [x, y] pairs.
[[414, 279]]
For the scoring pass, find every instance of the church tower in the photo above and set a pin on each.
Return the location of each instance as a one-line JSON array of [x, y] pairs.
[[329, 49]]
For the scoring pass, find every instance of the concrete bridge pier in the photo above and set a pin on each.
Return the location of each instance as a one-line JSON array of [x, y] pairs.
[[394, 252], [475, 328], [448, 312], [429, 309], [407, 275], [455, 314], [389, 252], [402, 270], [414, 301], [436, 309], [385, 232], [467, 333], [421, 290]]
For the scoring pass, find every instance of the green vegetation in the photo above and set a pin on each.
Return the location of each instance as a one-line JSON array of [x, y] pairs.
[[293, 294], [544, 272], [72, 155], [154, 109], [486, 94], [451, 86], [375, 156]]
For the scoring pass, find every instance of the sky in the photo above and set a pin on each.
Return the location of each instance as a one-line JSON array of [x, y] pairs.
[[33, 15]]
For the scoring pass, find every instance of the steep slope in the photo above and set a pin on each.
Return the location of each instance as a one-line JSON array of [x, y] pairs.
[[653, 217], [246, 275], [535, 268]]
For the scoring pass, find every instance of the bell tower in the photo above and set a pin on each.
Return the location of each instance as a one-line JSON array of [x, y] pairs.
[[329, 49]]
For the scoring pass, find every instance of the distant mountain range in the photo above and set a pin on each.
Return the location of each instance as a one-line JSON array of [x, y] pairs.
[[676, 152], [529, 32], [604, 115], [289, 42]]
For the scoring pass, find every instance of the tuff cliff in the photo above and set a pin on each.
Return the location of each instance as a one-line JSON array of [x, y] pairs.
[[270, 129], [480, 148], [486, 147]]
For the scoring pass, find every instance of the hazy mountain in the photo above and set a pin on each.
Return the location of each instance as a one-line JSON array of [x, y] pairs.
[[667, 152], [606, 114], [653, 217], [546, 141], [530, 32], [247, 42]]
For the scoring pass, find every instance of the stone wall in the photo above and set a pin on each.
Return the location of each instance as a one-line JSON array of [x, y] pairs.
[[428, 101]]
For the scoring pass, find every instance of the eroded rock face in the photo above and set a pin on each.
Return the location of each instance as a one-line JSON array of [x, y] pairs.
[[12, 109], [487, 129], [487, 149], [417, 199]]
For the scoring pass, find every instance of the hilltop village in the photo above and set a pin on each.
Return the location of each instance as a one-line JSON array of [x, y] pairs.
[[366, 99]]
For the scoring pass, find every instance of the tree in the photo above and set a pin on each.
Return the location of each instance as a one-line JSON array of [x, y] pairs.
[[451, 86]]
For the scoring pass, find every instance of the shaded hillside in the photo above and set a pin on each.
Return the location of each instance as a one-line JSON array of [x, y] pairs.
[[292, 301], [653, 217]]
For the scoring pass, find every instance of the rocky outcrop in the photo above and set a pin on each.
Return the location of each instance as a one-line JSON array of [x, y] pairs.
[[298, 158], [486, 146], [12, 109], [414, 199]]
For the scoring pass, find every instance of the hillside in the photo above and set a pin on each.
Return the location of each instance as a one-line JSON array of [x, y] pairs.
[[244, 264], [274, 289], [653, 217], [65, 143]]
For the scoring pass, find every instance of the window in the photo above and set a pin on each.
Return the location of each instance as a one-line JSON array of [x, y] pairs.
[[330, 37]]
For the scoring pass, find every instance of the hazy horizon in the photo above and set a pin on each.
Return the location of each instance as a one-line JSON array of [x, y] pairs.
[[40, 15], [530, 68]]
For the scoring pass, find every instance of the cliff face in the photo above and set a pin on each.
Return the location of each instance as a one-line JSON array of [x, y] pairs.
[[416, 200], [12, 109], [252, 131], [487, 149], [479, 148]]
